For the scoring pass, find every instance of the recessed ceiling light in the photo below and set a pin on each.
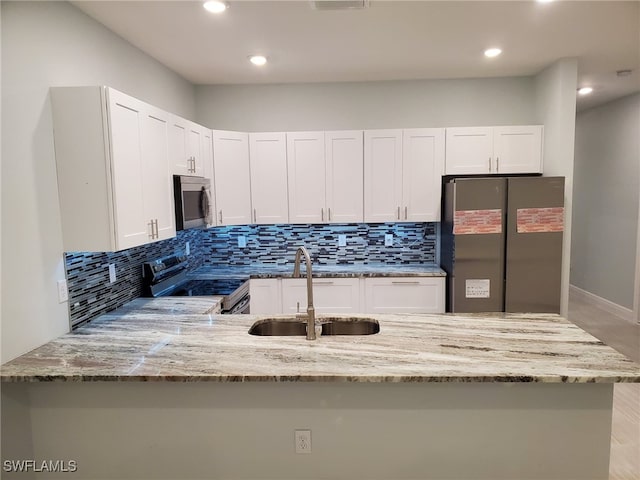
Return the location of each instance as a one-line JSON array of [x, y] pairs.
[[585, 90], [258, 60], [492, 52], [215, 6], [544, 1]]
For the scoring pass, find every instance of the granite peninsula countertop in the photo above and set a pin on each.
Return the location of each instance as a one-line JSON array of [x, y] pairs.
[[319, 271], [409, 348]]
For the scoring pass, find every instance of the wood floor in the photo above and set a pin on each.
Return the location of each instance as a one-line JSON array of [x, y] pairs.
[[624, 336]]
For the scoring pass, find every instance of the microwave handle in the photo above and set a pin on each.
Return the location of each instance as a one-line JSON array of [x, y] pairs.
[[205, 204]]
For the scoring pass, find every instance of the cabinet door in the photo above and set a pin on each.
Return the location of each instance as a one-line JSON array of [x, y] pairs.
[[382, 175], [194, 149], [518, 149], [330, 295], [404, 295], [157, 179], [306, 177], [132, 227], [232, 179], [469, 151], [422, 169], [178, 140], [345, 176], [268, 161], [266, 298]]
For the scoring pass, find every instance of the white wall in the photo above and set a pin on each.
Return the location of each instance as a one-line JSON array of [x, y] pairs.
[[607, 186], [556, 110], [48, 44], [360, 105], [374, 431]]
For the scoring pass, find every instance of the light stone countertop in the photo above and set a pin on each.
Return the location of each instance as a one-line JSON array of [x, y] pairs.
[[409, 348], [319, 271]]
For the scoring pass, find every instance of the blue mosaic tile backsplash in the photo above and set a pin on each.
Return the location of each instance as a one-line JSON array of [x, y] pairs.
[[276, 244], [91, 294]]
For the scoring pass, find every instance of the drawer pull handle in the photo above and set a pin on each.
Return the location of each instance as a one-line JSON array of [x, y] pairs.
[[323, 283], [406, 282]]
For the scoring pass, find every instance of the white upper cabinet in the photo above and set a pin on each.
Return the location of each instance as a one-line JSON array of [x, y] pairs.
[[422, 170], [403, 174], [113, 172], [232, 178], [518, 149], [306, 177], [494, 150], [382, 175], [185, 154], [157, 185], [268, 162], [345, 176], [325, 176], [469, 150]]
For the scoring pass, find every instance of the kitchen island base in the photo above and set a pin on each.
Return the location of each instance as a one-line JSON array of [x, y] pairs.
[[245, 430]]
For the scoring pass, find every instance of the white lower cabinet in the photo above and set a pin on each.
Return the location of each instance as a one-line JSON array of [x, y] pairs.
[[265, 296], [330, 295], [404, 295], [349, 295]]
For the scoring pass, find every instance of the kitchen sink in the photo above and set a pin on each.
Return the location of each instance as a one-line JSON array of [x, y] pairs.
[[288, 326]]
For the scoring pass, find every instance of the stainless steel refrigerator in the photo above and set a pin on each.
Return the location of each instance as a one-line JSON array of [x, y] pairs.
[[501, 243]]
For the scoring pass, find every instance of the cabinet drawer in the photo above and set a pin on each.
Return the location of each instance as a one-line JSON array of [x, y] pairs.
[[330, 295], [404, 295]]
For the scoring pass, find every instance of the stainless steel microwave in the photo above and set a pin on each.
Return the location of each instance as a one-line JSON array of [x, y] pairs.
[[192, 197]]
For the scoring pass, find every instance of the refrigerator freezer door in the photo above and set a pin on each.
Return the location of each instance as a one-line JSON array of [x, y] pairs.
[[534, 244], [477, 280]]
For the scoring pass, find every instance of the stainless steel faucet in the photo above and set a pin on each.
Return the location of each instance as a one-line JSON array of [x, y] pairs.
[[311, 313]]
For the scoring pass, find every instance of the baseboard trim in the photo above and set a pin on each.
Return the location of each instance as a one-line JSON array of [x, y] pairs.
[[602, 303]]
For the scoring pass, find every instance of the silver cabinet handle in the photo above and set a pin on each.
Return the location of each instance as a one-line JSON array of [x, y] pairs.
[[151, 226], [489, 164], [255, 216], [398, 213], [157, 232], [497, 164], [322, 214], [405, 282], [406, 212], [221, 216], [323, 283], [329, 213]]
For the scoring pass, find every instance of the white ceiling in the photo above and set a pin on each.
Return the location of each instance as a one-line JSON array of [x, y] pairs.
[[390, 40]]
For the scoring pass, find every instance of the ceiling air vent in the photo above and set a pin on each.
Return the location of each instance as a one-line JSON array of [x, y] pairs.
[[340, 4]]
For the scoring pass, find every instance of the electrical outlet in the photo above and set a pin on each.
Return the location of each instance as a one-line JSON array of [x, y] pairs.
[[63, 292], [112, 272], [388, 240], [187, 248], [303, 441], [342, 240], [242, 241]]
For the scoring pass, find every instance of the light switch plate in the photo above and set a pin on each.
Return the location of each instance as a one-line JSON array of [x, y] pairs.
[[388, 240], [112, 273], [342, 240], [242, 241]]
